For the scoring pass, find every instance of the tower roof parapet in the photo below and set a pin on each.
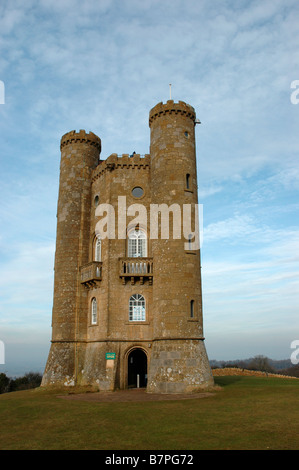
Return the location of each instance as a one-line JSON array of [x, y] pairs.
[[170, 107], [125, 161], [81, 136]]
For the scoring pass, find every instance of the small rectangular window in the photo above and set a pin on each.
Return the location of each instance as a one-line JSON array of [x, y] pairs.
[[94, 313], [187, 181], [192, 308], [190, 238]]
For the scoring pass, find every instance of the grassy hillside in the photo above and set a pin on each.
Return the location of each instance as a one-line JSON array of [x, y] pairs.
[[245, 413]]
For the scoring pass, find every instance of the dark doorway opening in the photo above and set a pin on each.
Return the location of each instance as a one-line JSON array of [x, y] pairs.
[[137, 369]]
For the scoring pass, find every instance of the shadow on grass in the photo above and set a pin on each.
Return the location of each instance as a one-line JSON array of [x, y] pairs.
[[223, 381]]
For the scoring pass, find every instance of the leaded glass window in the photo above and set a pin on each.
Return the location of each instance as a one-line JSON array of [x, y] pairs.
[[137, 244], [137, 308]]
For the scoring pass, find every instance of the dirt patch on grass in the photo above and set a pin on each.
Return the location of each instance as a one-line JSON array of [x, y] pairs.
[[134, 395]]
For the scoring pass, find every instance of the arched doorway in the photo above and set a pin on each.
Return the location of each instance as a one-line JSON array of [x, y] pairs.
[[137, 369]]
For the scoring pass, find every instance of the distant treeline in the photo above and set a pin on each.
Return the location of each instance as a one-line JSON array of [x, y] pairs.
[[261, 363], [29, 380]]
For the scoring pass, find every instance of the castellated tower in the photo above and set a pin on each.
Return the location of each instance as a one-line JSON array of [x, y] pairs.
[[79, 156], [179, 362], [127, 308]]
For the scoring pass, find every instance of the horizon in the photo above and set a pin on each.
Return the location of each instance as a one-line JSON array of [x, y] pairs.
[[18, 370], [102, 66]]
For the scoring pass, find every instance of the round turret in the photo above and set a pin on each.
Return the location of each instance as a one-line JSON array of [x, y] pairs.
[[170, 107], [178, 348], [79, 156], [74, 137]]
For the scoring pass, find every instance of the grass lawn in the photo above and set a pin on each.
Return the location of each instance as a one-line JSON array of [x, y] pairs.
[[246, 413]]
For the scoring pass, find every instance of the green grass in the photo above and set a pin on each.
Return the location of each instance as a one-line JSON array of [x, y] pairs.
[[246, 413]]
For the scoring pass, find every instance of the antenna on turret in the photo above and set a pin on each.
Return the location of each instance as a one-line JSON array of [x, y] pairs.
[[170, 91]]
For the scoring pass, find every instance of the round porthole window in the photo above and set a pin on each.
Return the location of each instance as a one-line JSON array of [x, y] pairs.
[[137, 192]]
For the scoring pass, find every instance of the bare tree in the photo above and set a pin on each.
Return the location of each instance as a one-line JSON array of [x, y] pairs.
[[260, 363]]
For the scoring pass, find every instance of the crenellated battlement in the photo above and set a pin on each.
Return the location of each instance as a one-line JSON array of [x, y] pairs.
[[81, 136], [170, 107], [124, 161]]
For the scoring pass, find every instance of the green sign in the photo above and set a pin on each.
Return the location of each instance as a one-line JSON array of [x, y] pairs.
[[110, 355]]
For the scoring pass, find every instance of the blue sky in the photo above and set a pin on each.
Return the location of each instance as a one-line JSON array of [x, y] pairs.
[[101, 65]]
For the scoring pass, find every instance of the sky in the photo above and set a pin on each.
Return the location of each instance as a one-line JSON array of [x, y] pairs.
[[101, 65]]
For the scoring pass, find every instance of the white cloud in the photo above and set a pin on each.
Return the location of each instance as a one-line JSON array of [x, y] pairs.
[[207, 191], [26, 283], [250, 276], [231, 229]]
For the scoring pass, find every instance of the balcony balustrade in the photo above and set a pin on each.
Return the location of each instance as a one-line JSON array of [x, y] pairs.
[[136, 268], [91, 274]]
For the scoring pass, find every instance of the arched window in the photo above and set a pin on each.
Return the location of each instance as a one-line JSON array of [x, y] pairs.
[[137, 243], [187, 181], [98, 250], [192, 308], [137, 308], [94, 311]]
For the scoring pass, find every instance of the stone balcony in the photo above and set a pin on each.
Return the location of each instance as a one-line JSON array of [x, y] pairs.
[[136, 269], [91, 274]]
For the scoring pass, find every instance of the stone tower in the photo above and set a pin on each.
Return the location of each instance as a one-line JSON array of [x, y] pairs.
[[79, 156], [127, 308], [179, 361]]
